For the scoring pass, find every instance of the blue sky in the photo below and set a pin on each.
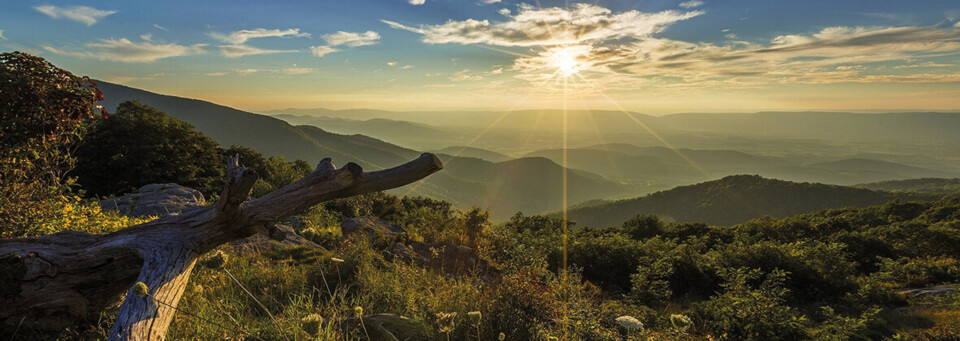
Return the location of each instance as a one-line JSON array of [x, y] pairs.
[[650, 56]]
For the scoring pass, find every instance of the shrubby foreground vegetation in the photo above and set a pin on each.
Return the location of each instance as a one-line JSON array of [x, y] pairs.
[[829, 275]]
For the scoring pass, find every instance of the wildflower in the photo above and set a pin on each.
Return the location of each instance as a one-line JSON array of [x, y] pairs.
[[358, 310], [680, 322], [337, 260], [311, 323], [474, 317], [216, 261], [502, 336], [445, 322], [629, 323], [140, 289]]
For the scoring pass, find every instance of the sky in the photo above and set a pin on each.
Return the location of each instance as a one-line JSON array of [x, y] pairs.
[[649, 56]]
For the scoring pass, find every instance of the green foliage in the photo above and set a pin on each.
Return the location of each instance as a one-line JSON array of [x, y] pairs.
[[139, 145], [43, 110], [275, 171], [747, 311]]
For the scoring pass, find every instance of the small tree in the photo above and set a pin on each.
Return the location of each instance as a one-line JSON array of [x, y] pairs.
[[42, 114], [139, 145]]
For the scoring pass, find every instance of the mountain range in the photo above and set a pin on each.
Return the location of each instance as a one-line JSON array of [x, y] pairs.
[[735, 199]]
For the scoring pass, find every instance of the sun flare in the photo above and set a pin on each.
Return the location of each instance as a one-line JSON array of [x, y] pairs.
[[568, 60]]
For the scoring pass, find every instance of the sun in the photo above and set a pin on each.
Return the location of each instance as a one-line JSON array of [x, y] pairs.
[[567, 60]]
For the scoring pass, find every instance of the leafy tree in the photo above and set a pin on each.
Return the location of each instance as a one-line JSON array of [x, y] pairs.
[[42, 113], [140, 145]]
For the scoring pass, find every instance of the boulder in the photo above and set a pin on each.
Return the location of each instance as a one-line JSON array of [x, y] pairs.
[[937, 291], [447, 257], [388, 327], [156, 200], [282, 237], [376, 230]]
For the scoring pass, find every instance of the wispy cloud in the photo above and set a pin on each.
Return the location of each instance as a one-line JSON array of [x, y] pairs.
[[160, 27], [352, 39], [1, 35], [216, 74], [240, 50], [490, 2], [241, 36], [833, 55], [417, 2], [124, 50], [542, 26], [297, 70], [464, 75], [82, 14], [320, 51], [691, 4], [236, 39]]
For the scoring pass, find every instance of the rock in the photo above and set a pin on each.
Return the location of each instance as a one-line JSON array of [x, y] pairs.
[[388, 327], [940, 290], [283, 236], [377, 231], [447, 257], [156, 200]]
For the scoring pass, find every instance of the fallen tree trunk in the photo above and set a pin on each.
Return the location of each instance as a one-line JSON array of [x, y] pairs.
[[59, 280]]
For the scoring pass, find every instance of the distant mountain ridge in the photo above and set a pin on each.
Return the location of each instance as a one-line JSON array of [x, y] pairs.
[[924, 185], [931, 126], [531, 185], [735, 199]]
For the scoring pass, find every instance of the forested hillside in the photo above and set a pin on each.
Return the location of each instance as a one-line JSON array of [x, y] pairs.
[[735, 199]]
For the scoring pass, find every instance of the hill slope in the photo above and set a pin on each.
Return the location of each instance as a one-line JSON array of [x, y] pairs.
[[531, 185], [268, 135], [735, 199], [924, 185]]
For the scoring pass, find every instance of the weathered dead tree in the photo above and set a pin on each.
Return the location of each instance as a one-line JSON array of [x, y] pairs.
[[61, 279]]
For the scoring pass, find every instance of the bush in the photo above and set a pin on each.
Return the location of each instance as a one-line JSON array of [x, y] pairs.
[[43, 110], [746, 311], [141, 145]]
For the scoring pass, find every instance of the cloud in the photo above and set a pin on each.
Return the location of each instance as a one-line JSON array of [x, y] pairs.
[[490, 2], [832, 55], [392, 63], [504, 11], [542, 26], [244, 72], [320, 51], [82, 14], [240, 50], [124, 50], [146, 37], [464, 75], [691, 4], [297, 70], [216, 74], [241, 36], [160, 27], [407, 67], [352, 39], [417, 2], [1, 35]]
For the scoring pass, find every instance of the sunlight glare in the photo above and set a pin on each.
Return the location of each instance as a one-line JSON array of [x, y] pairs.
[[568, 60]]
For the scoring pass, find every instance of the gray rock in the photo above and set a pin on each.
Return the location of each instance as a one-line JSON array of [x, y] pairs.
[[283, 236], [388, 327], [156, 200], [446, 257], [378, 231], [940, 290]]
